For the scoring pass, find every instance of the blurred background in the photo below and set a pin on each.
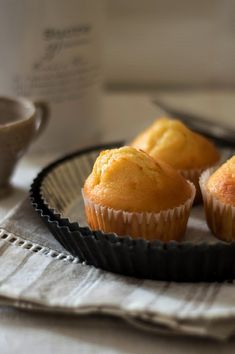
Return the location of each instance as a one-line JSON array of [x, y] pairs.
[[66, 51], [170, 44]]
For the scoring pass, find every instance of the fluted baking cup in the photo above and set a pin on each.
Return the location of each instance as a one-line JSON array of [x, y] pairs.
[[193, 175], [165, 226], [220, 217], [199, 257]]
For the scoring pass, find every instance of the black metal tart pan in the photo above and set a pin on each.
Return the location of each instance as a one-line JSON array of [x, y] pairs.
[[173, 261]]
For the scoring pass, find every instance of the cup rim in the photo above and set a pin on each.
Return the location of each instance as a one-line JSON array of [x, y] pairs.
[[23, 101]]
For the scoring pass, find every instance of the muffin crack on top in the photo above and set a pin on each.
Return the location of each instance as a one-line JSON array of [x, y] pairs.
[[109, 157]]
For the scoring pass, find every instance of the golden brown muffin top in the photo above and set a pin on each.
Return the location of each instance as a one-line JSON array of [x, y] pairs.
[[221, 183], [171, 141], [130, 180]]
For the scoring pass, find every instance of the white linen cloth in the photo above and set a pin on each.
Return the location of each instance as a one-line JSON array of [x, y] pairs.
[[35, 271]]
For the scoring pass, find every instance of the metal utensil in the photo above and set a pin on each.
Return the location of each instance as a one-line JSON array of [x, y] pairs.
[[221, 135]]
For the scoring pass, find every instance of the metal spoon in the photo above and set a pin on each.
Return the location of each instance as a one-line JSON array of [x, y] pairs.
[[221, 135]]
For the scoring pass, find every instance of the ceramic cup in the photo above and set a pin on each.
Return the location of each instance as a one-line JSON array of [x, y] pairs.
[[21, 121]]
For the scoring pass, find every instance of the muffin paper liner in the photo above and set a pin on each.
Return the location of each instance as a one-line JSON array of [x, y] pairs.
[[58, 185], [193, 175], [220, 217], [165, 226]]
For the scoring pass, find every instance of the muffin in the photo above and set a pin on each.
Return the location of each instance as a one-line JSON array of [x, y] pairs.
[[218, 190], [183, 149], [130, 193]]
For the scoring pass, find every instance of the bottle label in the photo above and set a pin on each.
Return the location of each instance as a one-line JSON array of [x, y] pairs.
[[64, 70]]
